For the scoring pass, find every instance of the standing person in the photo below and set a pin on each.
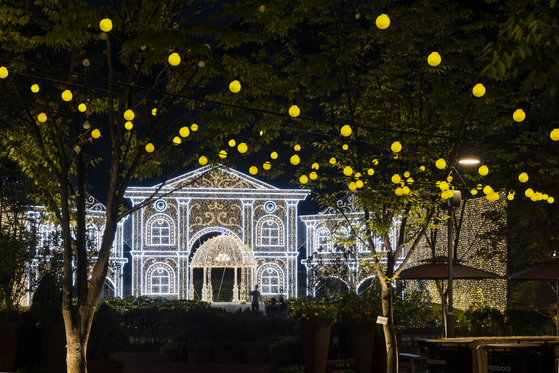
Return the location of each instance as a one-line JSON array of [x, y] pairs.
[[255, 294]]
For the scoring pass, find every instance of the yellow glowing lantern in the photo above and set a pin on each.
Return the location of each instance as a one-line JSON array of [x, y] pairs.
[[399, 191], [495, 196], [396, 179], [174, 59], [86, 125], [483, 170], [359, 183], [315, 166], [35, 88], [407, 174], [345, 147], [352, 186], [82, 107], [203, 160], [332, 160], [267, 165], [519, 115], [262, 9], [294, 111], [194, 127], [232, 143], [487, 190], [449, 179], [149, 147], [550, 200], [3, 72], [177, 140], [383, 21], [510, 196], [129, 115], [358, 175], [440, 164], [409, 180], [545, 197], [479, 187], [297, 147], [554, 134], [223, 154], [274, 155], [371, 172], [67, 95], [295, 159], [106, 25], [128, 125], [261, 132], [346, 130], [434, 59], [253, 170], [406, 190], [443, 185], [96, 133], [184, 132], [478, 90], [396, 146], [235, 86], [313, 175], [529, 192], [242, 148], [473, 191], [42, 117], [303, 179], [348, 171], [534, 197], [523, 177], [154, 111], [422, 168]]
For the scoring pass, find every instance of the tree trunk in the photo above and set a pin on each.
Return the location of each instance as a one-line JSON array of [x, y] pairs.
[[389, 331]]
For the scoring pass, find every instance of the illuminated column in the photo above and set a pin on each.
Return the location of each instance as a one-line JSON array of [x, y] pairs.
[[205, 287], [243, 285], [291, 248], [136, 274], [184, 275], [248, 222], [235, 287], [191, 286], [210, 289]]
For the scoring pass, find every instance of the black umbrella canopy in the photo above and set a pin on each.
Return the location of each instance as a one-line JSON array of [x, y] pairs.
[[437, 269], [540, 273]]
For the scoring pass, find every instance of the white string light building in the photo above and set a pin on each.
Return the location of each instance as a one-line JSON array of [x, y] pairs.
[[214, 199]]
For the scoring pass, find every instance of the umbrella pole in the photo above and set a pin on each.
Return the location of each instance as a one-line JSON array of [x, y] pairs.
[[557, 306]]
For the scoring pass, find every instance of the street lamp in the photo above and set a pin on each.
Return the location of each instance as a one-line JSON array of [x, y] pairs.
[[450, 317]]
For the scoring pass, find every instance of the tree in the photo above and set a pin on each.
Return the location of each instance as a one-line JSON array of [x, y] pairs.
[[82, 104]]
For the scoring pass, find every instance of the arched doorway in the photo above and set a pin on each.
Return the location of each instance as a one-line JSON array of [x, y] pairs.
[[224, 252]]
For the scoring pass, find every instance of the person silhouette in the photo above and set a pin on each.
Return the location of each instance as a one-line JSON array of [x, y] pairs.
[[255, 294]]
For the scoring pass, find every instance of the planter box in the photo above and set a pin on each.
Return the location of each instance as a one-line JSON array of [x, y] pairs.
[[103, 366], [227, 357], [199, 357]]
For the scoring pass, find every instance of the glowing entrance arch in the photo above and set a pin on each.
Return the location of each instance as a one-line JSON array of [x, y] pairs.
[[223, 252], [204, 231]]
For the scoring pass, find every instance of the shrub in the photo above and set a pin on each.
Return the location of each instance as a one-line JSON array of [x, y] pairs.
[[107, 335]]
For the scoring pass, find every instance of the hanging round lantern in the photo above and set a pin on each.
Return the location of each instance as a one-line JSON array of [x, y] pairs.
[[96, 133], [294, 111], [235, 86], [358, 175], [253, 170], [303, 179], [106, 25], [242, 148], [184, 132], [407, 174], [332, 160], [346, 130], [261, 132], [406, 190], [545, 197], [483, 170], [396, 179], [177, 140], [82, 107], [519, 115], [194, 127], [422, 168], [315, 166], [487, 190], [86, 125], [440, 164], [295, 160], [382, 22], [35, 88], [550, 200], [443, 185], [42, 117], [409, 180], [313, 175], [297, 147], [352, 186], [523, 177], [128, 125], [348, 171], [529, 192], [223, 154], [371, 172], [345, 147], [129, 115], [554, 134], [510, 196], [359, 183], [262, 8], [232, 142], [434, 59], [149, 147], [473, 191], [154, 111], [174, 59], [534, 197], [399, 191], [203, 160], [478, 90], [274, 155], [396, 147], [67, 95], [3, 72], [267, 165]]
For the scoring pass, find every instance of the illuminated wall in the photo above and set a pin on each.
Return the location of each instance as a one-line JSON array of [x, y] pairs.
[[213, 199]]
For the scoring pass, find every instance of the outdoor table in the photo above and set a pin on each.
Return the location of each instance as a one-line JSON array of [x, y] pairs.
[[513, 357], [449, 355], [547, 357]]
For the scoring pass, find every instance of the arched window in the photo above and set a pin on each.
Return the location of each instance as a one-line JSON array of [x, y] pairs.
[[159, 281], [322, 242], [269, 233], [270, 281], [160, 232], [92, 238]]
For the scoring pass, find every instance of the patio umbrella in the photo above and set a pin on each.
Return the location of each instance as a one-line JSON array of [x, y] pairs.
[[547, 271]]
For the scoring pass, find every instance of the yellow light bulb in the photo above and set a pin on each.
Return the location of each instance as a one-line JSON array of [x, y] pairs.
[[295, 160], [294, 111], [346, 130], [345, 147], [478, 90], [42, 117], [128, 125], [399, 191], [371, 172], [203, 160], [274, 155], [523, 177], [487, 190], [529, 192], [184, 132], [406, 190], [519, 115], [194, 127], [352, 186], [422, 168], [313, 175], [82, 107], [510, 196], [174, 59], [35, 88], [444, 185], [106, 25], [396, 147], [315, 166], [358, 175], [297, 148], [235, 86], [473, 191], [483, 170], [332, 160], [253, 170], [554, 134], [3, 72], [434, 59], [67, 95], [242, 148], [440, 164], [348, 171], [267, 165], [232, 143], [223, 154], [407, 174], [396, 179], [177, 140], [303, 179], [550, 200], [154, 111], [149, 147], [410, 180], [383, 21], [96, 133], [129, 115]]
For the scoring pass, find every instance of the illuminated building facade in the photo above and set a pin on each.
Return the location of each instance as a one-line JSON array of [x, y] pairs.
[[259, 219]]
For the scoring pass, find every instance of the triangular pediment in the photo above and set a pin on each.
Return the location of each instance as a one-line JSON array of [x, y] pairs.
[[216, 177]]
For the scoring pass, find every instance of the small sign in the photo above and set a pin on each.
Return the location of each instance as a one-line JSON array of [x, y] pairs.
[[382, 320]]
